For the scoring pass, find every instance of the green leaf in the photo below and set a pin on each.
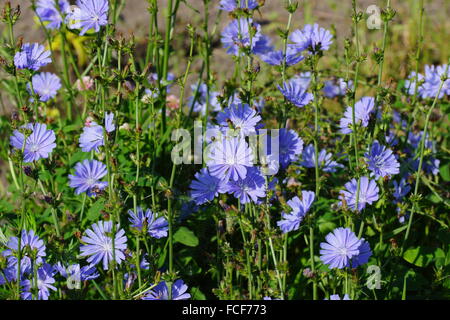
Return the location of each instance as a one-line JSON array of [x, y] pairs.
[[445, 172], [420, 256], [94, 211], [186, 237]]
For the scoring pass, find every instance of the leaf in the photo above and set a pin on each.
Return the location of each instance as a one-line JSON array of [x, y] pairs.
[[445, 172], [186, 237], [94, 211], [420, 256]]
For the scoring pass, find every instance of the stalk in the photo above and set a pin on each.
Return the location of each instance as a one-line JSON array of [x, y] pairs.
[[419, 169]]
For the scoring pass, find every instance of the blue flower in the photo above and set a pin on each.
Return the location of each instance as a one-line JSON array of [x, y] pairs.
[[99, 244], [401, 189], [230, 158], [432, 82], [337, 297], [276, 58], [300, 208], [45, 85], [147, 222], [87, 177], [325, 161], [411, 83], [161, 292], [44, 282], [312, 38], [290, 146], [250, 188], [38, 145], [93, 134], [237, 35], [76, 273], [335, 88], [33, 56], [48, 12], [231, 5], [199, 103], [368, 193], [29, 242], [381, 161], [363, 109], [206, 187], [295, 93], [343, 249], [241, 117], [89, 14]]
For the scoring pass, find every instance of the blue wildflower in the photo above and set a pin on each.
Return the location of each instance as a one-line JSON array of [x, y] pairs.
[[241, 116], [291, 221], [45, 85], [368, 193], [231, 5], [250, 188], [363, 109], [161, 292], [295, 93], [87, 177], [147, 222], [237, 35], [99, 244], [44, 282], [325, 161], [38, 145], [206, 187], [381, 161], [89, 15], [33, 56], [312, 38], [230, 158], [47, 11]]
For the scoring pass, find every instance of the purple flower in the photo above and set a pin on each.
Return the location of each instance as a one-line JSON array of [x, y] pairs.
[[300, 208], [250, 188], [33, 56], [303, 79], [229, 158], [161, 292], [147, 221], [206, 187], [368, 193], [262, 45], [89, 14], [334, 88], [199, 103], [312, 38], [381, 161], [48, 12], [38, 145], [343, 249], [109, 122], [325, 161], [276, 58], [76, 273], [93, 134], [411, 83], [99, 244], [432, 82], [242, 118], [295, 93], [401, 189], [45, 85], [337, 297], [290, 146], [363, 110], [29, 242], [231, 5], [236, 35], [44, 281], [87, 177]]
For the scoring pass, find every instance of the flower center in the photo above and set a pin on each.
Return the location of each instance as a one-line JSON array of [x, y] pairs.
[[34, 147]]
